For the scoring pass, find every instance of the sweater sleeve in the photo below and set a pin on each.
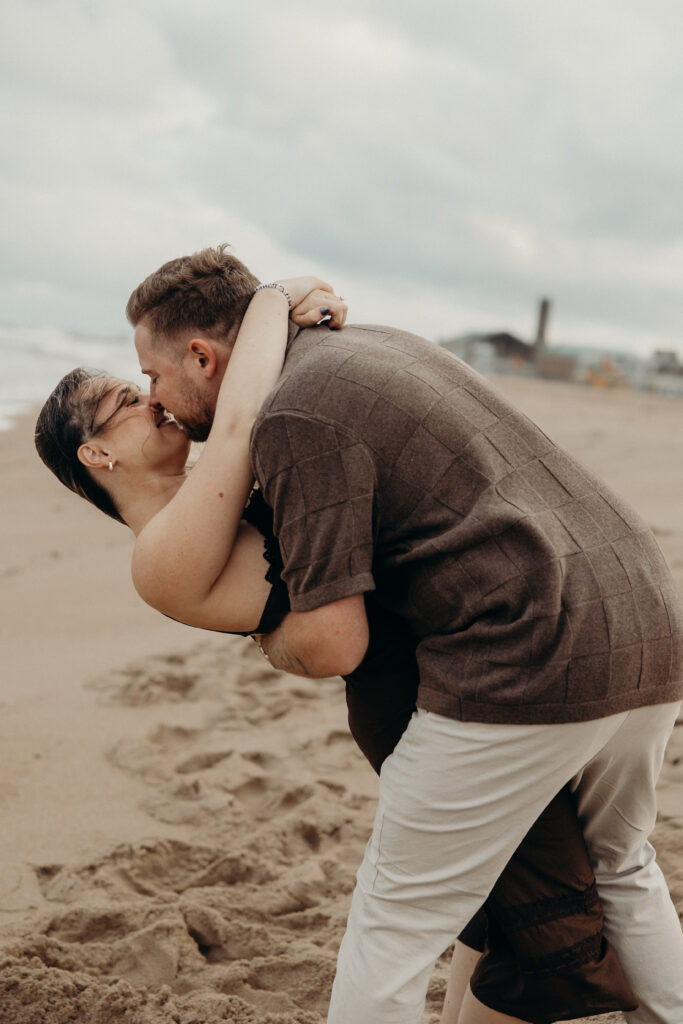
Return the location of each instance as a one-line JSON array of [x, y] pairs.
[[320, 482]]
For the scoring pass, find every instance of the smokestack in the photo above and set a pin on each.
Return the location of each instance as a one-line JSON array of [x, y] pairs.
[[543, 314]]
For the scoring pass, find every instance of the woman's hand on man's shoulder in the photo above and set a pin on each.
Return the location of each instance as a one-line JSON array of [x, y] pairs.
[[314, 300]]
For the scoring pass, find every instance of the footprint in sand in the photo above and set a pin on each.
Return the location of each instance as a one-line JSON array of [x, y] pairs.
[[200, 762], [301, 982], [150, 681], [269, 762], [151, 868], [206, 671], [264, 797]]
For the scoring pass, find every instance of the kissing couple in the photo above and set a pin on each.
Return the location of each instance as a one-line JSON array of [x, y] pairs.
[[510, 634]]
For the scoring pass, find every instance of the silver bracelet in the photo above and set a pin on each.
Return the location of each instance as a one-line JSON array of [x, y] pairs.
[[261, 648], [280, 288]]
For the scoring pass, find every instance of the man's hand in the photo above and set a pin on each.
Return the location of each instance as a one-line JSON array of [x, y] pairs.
[[328, 641]]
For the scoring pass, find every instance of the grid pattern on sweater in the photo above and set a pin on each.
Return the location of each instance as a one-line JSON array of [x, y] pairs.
[[536, 592]]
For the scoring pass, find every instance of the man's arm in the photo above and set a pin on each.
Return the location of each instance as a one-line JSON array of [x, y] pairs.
[[320, 482], [328, 641]]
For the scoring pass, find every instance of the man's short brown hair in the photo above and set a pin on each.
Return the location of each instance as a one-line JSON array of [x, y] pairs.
[[208, 291]]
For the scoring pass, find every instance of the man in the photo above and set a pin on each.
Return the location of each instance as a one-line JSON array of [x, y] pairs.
[[550, 630]]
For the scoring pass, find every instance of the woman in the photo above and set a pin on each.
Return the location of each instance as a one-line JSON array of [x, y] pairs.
[[199, 557]]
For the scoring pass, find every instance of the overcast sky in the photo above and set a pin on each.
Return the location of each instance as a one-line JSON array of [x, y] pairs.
[[443, 164]]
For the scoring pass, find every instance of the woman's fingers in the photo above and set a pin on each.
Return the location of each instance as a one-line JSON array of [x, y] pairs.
[[314, 300], [319, 305]]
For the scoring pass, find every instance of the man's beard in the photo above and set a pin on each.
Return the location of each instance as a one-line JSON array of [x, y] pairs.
[[197, 416]]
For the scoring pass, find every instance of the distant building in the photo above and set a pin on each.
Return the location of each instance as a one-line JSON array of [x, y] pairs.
[[503, 353], [503, 345], [665, 361], [493, 353]]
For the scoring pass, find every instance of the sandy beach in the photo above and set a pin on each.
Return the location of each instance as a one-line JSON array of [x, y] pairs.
[[179, 824]]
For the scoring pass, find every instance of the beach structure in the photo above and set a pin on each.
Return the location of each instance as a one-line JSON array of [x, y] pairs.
[[500, 352]]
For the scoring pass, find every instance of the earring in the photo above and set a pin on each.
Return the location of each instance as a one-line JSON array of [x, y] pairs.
[[111, 465]]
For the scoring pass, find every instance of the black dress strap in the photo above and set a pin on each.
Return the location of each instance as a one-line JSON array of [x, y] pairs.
[[260, 515]]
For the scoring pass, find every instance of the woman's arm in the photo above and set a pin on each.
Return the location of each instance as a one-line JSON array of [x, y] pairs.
[[181, 557]]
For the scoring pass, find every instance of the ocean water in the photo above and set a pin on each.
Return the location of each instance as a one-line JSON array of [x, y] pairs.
[[34, 359]]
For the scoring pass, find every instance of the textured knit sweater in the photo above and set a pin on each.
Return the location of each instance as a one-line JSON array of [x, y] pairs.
[[537, 594]]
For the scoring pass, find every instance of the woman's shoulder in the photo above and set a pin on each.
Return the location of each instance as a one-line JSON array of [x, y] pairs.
[[146, 560]]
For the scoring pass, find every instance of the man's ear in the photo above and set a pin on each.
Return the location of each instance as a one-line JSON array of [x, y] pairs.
[[202, 357], [92, 456]]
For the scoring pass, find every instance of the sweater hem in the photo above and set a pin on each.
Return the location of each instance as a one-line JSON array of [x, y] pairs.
[[466, 710]]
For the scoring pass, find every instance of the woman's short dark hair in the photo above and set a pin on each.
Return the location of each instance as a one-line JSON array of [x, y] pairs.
[[67, 420]]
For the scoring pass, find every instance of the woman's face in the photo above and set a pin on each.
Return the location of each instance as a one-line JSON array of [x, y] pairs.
[[137, 432]]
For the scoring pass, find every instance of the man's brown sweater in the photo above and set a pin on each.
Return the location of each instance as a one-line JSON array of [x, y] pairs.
[[537, 594]]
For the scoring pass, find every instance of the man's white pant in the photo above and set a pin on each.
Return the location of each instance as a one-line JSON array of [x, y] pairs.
[[456, 798]]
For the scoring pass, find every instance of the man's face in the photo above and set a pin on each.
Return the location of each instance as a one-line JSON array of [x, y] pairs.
[[173, 387]]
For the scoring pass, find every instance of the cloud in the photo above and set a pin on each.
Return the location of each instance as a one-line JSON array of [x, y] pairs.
[[448, 169]]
